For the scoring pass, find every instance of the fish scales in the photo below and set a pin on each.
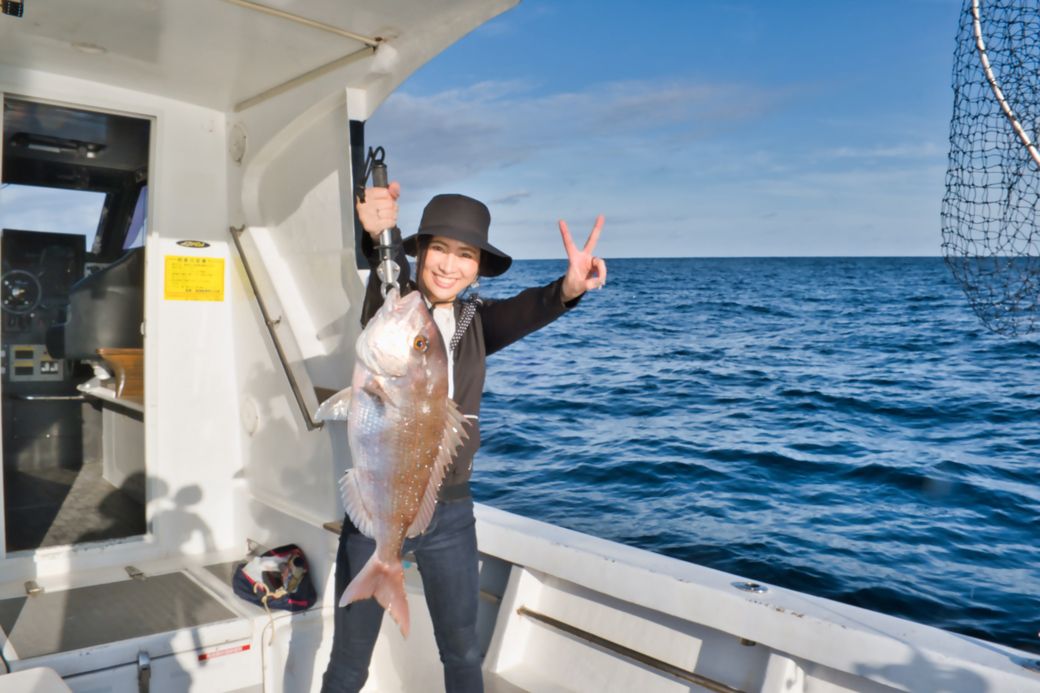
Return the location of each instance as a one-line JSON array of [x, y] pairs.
[[403, 431]]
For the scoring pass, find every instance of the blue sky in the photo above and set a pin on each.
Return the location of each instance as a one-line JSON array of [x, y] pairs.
[[708, 128]]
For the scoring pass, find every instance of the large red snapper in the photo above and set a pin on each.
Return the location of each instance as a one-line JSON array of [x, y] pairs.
[[403, 431]]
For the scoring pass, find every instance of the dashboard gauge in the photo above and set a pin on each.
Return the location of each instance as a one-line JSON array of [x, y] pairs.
[[21, 292]]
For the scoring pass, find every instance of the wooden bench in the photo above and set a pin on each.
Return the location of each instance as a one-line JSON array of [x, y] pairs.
[[128, 368]]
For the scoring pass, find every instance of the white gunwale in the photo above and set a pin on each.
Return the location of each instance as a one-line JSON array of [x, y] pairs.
[[250, 107]]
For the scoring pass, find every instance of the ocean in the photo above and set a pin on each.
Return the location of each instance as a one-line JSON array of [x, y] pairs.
[[844, 427]]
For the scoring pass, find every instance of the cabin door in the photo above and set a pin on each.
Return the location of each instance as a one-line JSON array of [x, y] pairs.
[[73, 209]]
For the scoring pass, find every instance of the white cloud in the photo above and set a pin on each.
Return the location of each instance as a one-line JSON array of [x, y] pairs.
[[678, 168], [912, 150], [451, 136], [49, 209]]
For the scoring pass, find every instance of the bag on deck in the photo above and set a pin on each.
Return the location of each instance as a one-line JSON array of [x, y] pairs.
[[277, 579]]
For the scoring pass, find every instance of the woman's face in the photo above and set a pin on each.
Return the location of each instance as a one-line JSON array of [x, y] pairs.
[[448, 267]]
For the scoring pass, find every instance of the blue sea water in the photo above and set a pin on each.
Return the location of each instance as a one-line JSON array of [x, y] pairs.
[[840, 426]]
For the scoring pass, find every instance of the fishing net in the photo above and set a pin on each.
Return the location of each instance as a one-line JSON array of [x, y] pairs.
[[989, 212]]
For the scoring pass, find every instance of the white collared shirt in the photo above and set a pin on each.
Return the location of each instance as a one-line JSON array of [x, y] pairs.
[[444, 316]]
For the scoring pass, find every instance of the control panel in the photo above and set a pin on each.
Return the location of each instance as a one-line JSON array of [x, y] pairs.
[[32, 363], [38, 269]]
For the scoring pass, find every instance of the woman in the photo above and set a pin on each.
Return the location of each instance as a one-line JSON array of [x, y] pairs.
[[452, 250]]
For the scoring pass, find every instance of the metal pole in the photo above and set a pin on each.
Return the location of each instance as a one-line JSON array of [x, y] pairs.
[[634, 655], [980, 45]]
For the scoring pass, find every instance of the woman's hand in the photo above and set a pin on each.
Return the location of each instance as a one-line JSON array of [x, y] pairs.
[[379, 210], [584, 271]]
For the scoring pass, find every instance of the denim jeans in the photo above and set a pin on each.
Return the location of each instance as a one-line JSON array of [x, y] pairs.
[[446, 554]]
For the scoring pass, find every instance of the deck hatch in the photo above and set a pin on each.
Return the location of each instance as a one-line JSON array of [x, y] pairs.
[[84, 617]]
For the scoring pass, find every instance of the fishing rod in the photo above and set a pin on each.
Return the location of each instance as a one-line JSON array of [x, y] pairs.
[[389, 239]]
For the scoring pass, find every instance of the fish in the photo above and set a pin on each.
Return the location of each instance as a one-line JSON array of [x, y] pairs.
[[403, 431]]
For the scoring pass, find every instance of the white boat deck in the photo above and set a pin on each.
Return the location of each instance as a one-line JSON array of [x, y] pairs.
[[560, 611], [253, 118]]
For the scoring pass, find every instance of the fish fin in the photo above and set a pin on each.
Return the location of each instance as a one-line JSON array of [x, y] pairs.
[[385, 582], [335, 408], [374, 387], [454, 433], [355, 506]]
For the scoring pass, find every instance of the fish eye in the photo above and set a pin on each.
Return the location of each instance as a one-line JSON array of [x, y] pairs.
[[420, 344]]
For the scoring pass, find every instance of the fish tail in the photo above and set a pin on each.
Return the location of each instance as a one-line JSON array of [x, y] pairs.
[[384, 581]]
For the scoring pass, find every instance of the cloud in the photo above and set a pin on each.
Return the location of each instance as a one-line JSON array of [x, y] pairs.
[[453, 135], [510, 198], [50, 209], [915, 150], [677, 167]]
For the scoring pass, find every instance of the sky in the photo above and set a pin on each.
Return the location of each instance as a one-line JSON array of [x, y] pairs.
[[698, 128]]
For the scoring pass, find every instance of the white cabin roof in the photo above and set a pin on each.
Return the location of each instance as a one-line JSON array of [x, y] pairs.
[[223, 53]]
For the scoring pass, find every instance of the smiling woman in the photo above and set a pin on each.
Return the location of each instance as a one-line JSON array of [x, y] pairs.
[[448, 268], [452, 249]]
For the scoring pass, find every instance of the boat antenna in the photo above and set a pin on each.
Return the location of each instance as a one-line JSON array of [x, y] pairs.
[[991, 241], [389, 239]]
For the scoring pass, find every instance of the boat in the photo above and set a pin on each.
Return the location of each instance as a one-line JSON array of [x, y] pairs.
[[162, 368]]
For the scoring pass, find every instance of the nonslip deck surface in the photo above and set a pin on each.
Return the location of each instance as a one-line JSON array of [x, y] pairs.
[[58, 507], [224, 572], [89, 616]]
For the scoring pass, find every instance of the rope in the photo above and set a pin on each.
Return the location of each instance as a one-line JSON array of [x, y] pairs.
[[277, 594]]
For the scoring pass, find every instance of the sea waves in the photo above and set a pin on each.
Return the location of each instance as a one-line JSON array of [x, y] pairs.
[[840, 426]]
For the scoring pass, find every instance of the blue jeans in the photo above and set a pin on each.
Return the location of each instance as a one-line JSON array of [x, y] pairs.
[[446, 554]]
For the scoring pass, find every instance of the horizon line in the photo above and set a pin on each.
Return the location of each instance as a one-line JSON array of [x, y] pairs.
[[745, 257]]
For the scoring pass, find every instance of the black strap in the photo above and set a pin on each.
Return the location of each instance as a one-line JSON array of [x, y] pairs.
[[469, 309]]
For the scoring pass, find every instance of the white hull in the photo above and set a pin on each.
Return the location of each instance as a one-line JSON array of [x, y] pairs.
[[250, 128], [560, 611]]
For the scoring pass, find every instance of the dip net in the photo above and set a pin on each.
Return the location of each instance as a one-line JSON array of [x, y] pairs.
[[989, 211]]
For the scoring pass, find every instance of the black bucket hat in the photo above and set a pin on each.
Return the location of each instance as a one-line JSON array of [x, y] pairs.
[[462, 219]]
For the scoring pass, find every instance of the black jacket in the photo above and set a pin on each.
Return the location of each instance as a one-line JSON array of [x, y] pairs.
[[494, 326]]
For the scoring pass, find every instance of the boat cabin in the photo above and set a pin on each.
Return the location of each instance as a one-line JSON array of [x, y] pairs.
[[181, 287], [73, 317]]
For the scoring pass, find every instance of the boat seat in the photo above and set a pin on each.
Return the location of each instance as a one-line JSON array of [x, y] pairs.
[[105, 312]]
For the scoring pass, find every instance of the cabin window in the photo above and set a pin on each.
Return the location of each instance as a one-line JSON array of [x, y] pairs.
[[72, 230], [46, 209], [135, 236]]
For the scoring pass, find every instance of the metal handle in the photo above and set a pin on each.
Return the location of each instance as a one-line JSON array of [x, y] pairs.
[[279, 349], [380, 177], [388, 270], [629, 653], [144, 672], [49, 398], [980, 46]]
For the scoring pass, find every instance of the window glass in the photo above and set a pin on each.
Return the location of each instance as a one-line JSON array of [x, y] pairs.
[[33, 208], [135, 236]]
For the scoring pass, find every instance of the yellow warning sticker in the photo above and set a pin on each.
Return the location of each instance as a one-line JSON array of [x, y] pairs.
[[194, 278]]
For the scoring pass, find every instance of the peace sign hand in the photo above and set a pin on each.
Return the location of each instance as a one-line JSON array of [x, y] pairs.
[[584, 271]]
